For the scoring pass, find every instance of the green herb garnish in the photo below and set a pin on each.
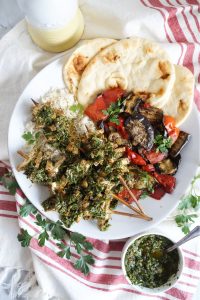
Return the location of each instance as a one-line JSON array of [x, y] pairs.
[[24, 238], [30, 138], [77, 108], [114, 110], [163, 144], [189, 203]]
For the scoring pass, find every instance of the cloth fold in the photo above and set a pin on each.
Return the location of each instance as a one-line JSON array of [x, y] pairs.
[[174, 24]]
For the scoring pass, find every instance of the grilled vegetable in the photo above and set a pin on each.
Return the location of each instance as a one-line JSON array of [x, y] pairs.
[[182, 140], [135, 158], [172, 130], [168, 166], [167, 181], [158, 192], [140, 131], [126, 196], [132, 104], [153, 156], [153, 114]]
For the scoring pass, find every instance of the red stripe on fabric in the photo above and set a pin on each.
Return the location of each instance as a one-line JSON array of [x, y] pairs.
[[4, 193], [8, 216], [3, 171], [193, 2], [188, 59], [191, 276], [187, 23], [163, 15], [195, 19], [197, 98], [98, 288], [192, 264], [191, 253], [8, 205], [180, 44], [179, 294], [172, 21]]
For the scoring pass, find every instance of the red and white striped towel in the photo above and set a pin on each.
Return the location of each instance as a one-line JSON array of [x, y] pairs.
[[173, 23], [106, 274]]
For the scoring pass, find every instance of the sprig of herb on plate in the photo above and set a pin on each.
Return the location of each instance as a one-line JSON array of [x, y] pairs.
[[114, 110], [52, 229], [30, 137], [163, 144], [77, 108], [189, 205]]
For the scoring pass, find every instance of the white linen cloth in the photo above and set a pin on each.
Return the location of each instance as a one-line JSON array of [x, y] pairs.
[[21, 60]]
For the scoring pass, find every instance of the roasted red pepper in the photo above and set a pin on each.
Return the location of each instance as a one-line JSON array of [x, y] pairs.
[[170, 125], [120, 128], [126, 196], [135, 158], [153, 156], [148, 168], [94, 110], [102, 102], [112, 95], [158, 193], [167, 181]]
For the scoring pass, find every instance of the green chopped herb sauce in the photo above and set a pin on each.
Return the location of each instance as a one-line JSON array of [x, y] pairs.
[[147, 263]]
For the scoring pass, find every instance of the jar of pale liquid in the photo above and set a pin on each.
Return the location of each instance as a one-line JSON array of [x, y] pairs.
[[54, 25]]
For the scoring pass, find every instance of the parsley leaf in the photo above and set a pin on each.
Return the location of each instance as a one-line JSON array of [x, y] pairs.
[[27, 209], [82, 263], [189, 203], [42, 238], [114, 110], [77, 108], [30, 138], [163, 144], [65, 252], [24, 238], [58, 231], [9, 182]]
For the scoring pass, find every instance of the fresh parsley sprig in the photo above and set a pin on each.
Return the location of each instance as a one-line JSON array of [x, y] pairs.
[[114, 110], [58, 233], [77, 108], [50, 228], [30, 138], [163, 144], [189, 205], [9, 182]]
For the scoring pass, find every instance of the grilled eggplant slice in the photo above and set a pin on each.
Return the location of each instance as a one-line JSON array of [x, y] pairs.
[[153, 114], [177, 147], [140, 131], [132, 104], [168, 166]]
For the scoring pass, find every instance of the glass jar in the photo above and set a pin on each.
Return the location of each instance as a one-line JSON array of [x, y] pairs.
[[54, 25]]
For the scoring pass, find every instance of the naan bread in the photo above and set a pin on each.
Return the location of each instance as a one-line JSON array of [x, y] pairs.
[[133, 64], [180, 101], [77, 62]]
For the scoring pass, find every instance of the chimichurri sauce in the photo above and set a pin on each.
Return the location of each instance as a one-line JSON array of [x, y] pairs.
[[147, 263]]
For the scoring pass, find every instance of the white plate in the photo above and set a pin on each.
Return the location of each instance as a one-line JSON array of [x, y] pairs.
[[121, 227]]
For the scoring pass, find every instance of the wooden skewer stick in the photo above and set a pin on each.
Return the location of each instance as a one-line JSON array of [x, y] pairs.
[[131, 207], [21, 153], [115, 212], [34, 102], [131, 194]]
